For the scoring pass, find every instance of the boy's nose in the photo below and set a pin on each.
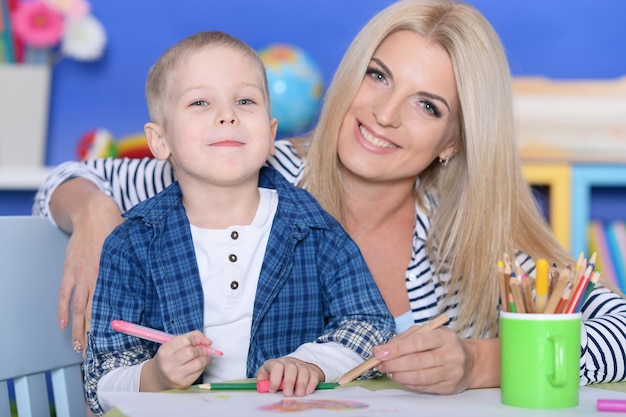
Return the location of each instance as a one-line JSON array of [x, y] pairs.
[[226, 121]]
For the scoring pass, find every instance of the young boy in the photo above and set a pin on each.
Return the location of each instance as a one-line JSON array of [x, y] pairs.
[[230, 255]]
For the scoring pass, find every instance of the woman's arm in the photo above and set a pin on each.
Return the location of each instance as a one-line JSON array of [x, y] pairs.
[[80, 208], [603, 337], [86, 199], [127, 181]]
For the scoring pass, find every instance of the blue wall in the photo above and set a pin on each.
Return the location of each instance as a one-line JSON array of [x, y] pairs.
[[556, 38]]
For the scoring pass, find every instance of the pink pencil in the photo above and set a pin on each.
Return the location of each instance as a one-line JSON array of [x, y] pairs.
[[611, 405], [150, 334]]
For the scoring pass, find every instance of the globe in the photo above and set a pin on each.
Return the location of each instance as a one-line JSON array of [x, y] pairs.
[[295, 85]]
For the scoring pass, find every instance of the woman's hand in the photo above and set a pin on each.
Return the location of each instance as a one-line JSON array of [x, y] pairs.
[[438, 362], [299, 378], [177, 363], [80, 208]]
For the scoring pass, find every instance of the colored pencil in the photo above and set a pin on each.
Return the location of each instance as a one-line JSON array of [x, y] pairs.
[[260, 386], [557, 290], [6, 39], [355, 372], [512, 304], [581, 265], [542, 283], [518, 299], [527, 294], [563, 301], [618, 406], [502, 285], [592, 284], [592, 261], [578, 291], [507, 273], [150, 334], [554, 278], [526, 286], [18, 44]]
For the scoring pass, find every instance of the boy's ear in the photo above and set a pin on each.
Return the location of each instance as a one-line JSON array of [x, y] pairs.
[[156, 141], [274, 130]]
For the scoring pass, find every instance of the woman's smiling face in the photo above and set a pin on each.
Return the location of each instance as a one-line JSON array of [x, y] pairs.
[[404, 114]]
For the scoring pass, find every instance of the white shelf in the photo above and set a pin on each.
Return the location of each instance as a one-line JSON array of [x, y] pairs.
[[26, 179]]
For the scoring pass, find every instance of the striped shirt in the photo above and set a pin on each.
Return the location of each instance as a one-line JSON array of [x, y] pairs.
[[603, 338]]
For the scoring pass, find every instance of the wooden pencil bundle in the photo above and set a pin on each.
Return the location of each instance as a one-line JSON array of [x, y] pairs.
[[554, 292]]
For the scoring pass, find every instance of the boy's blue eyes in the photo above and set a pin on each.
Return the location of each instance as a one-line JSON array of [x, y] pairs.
[[243, 101]]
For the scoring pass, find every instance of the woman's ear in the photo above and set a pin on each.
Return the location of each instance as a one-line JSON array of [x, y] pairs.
[[449, 152], [156, 141]]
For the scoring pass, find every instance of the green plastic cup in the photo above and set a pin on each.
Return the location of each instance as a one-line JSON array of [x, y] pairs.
[[540, 359]]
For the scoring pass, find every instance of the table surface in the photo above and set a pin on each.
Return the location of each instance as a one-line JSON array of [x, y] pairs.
[[386, 383]]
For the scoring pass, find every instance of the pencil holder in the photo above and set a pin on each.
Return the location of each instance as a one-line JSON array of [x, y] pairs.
[[540, 359], [24, 102]]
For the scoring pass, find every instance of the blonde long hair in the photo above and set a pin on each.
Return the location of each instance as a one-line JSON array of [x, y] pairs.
[[485, 206]]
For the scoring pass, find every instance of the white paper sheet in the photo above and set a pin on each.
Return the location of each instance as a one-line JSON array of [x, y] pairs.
[[352, 401]]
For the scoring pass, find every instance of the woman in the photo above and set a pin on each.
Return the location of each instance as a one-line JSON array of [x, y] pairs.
[[417, 158]]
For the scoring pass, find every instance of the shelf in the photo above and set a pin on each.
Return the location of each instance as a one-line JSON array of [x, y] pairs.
[[584, 177], [570, 187], [558, 178], [23, 179]]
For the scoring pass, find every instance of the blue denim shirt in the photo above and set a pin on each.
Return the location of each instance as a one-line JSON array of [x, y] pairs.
[[314, 284]]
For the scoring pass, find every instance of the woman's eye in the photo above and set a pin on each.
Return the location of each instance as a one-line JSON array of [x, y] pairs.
[[430, 108], [376, 74]]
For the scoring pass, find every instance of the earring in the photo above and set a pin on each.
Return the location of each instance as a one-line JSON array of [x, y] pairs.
[[445, 161]]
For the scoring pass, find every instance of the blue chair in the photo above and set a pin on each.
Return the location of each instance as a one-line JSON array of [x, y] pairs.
[[32, 253]]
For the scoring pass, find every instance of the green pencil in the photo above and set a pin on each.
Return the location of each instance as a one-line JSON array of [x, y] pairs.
[[261, 386]]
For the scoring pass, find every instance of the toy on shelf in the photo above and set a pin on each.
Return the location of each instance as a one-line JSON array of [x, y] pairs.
[[100, 143], [295, 84]]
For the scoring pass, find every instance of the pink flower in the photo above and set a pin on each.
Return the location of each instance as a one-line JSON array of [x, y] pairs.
[[38, 25]]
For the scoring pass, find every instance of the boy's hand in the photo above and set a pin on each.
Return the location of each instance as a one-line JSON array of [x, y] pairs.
[[177, 363], [299, 378]]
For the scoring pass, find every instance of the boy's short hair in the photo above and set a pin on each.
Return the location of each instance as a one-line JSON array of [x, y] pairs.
[[157, 83]]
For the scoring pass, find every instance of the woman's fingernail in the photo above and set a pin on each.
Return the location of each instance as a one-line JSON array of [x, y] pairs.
[[62, 324], [382, 354], [77, 345]]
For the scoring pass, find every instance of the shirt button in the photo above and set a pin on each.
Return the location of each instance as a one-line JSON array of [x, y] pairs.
[[232, 257], [234, 285], [412, 277], [234, 235]]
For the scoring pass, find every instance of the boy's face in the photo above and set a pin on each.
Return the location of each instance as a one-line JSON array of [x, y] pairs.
[[217, 123]]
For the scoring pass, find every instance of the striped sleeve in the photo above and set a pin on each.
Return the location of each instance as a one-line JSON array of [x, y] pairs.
[[287, 161], [128, 181], [603, 338]]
